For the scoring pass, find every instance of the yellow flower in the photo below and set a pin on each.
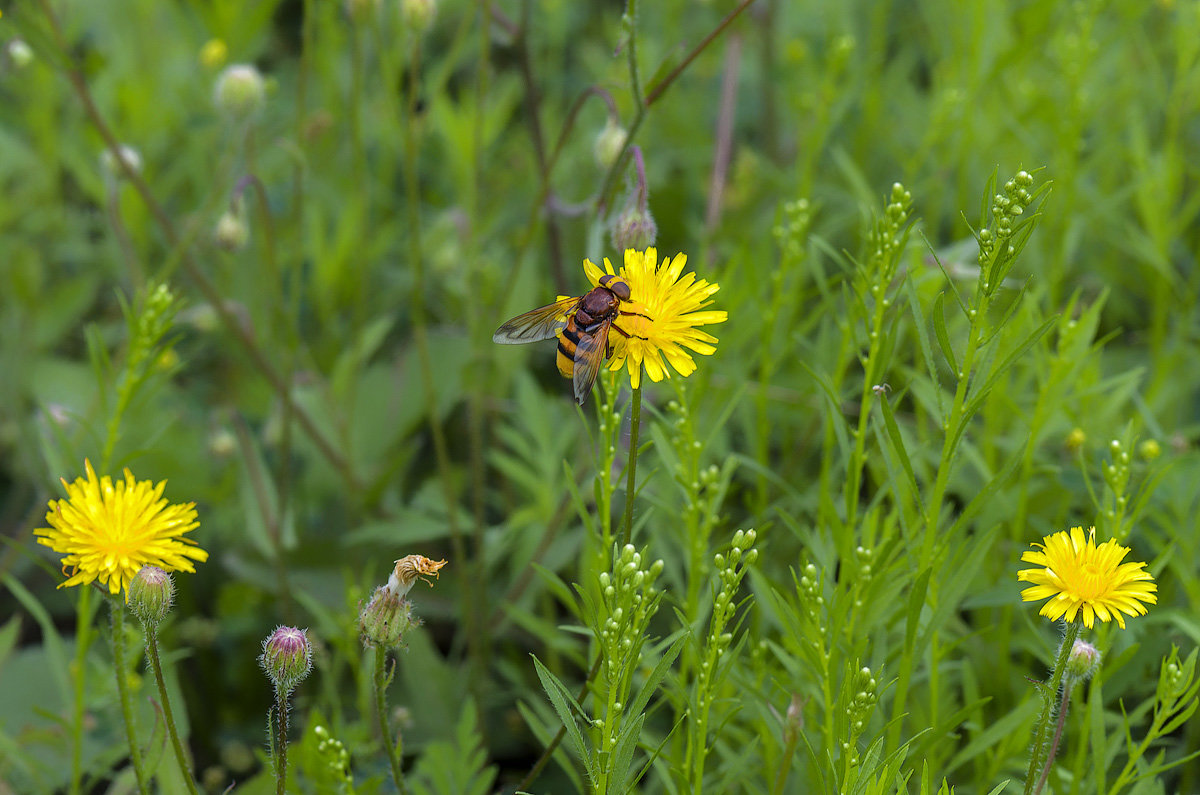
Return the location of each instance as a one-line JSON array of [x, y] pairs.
[[673, 307], [108, 532], [1080, 577]]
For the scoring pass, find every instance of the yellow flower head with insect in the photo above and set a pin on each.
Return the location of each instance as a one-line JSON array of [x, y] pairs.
[[671, 306]]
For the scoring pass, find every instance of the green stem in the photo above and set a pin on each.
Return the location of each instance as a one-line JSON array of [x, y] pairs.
[[635, 83], [1059, 724], [168, 716], [392, 747], [82, 642], [866, 401], [952, 436], [281, 743], [116, 604], [1048, 697], [635, 422]]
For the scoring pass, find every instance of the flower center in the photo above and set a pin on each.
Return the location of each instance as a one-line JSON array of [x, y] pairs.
[[1091, 581]]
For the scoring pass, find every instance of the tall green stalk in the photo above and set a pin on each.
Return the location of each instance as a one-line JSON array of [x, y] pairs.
[[635, 422], [168, 716], [116, 604], [393, 747], [1037, 755]]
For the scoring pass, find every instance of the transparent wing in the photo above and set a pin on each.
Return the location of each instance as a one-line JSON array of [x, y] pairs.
[[589, 354], [537, 324]]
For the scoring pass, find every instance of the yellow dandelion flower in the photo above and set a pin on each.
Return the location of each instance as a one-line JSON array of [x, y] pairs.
[[673, 304], [109, 531], [1080, 577]]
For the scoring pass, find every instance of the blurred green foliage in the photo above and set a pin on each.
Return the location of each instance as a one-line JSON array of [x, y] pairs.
[[330, 398]]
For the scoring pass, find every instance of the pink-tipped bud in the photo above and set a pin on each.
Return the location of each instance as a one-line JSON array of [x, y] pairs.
[[634, 229], [1083, 661], [286, 658], [151, 592]]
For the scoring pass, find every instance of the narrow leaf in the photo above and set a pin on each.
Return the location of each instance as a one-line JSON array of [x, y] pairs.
[[943, 337]]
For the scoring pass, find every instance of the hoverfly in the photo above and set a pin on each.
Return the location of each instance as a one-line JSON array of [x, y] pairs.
[[584, 322]]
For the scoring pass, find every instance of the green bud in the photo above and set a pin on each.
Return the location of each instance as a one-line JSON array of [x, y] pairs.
[[111, 167], [240, 91], [1083, 661], [609, 142], [386, 619], [151, 593], [231, 232]]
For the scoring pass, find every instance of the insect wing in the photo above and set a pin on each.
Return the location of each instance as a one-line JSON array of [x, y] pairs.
[[589, 354], [537, 324]]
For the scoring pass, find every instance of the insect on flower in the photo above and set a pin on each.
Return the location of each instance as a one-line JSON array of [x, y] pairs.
[[581, 325]]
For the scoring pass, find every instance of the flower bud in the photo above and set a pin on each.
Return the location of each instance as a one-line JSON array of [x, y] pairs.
[[608, 145], [386, 618], [150, 594], [1083, 661], [1149, 450], [112, 167], [231, 232], [418, 15], [286, 658], [240, 91], [635, 229], [213, 54], [19, 53], [1075, 439]]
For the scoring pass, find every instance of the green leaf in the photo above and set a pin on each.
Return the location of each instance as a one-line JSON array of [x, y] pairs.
[[897, 440], [566, 706], [943, 338], [660, 670], [622, 755]]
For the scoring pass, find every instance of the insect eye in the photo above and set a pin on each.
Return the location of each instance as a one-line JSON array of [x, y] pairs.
[[621, 289]]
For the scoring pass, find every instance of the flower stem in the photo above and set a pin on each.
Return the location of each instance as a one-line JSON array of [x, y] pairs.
[[392, 747], [116, 605], [83, 641], [1058, 732], [281, 742], [1043, 725], [635, 422], [168, 716]]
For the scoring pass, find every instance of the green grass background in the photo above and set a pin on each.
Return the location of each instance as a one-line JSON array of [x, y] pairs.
[[405, 193]]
